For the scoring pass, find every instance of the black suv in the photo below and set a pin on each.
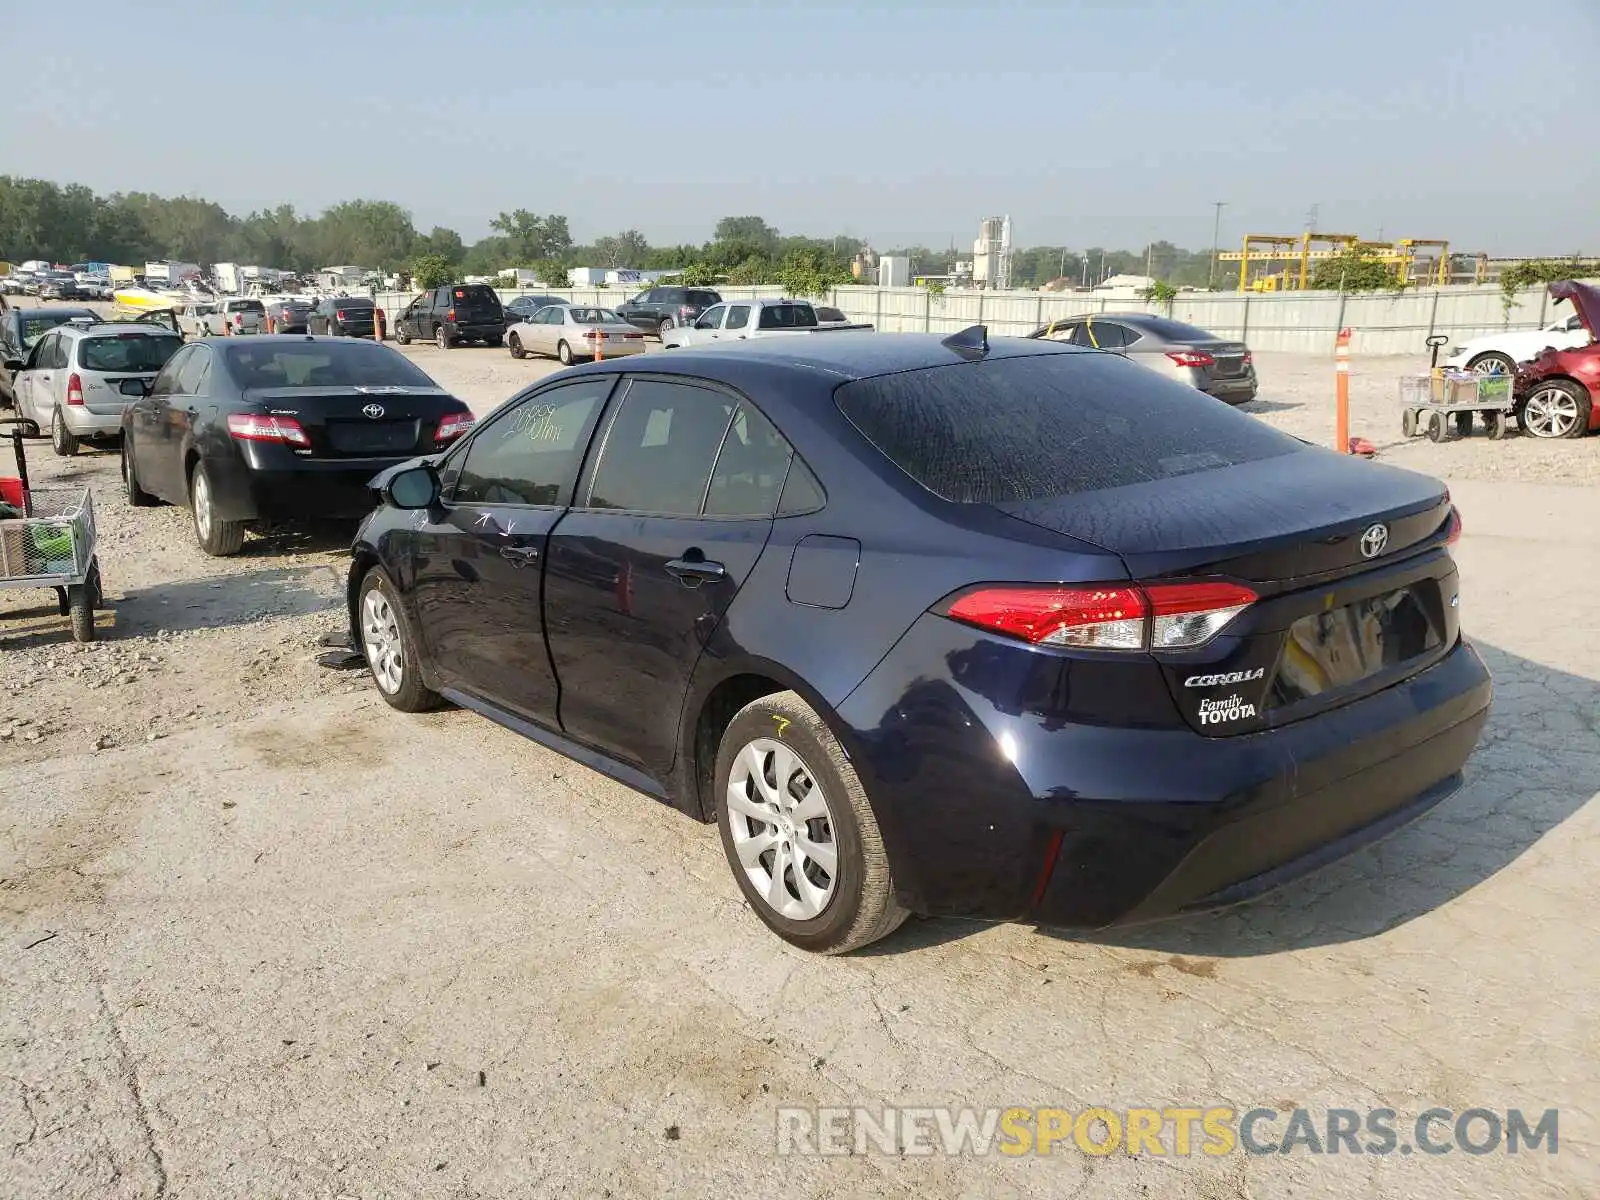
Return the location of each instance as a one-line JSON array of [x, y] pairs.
[[662, 309], [457, 312]]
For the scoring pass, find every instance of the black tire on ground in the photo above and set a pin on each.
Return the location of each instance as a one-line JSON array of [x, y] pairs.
[[1463, 423], [1408, 422], [61, 439], [441, 338], [412, 695], [515, 344], [1438, 427], [80, 607], [497, 340], [564, 353], [137, 497], [401, 336], [1493, 363], [667, 326], [220, 539], [863, 907], [1496, 424]]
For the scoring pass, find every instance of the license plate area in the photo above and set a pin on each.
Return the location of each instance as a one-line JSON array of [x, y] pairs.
[[372, 437], [1329, 651]]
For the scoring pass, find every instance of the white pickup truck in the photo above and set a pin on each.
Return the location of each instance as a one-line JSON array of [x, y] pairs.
[[225, 315], [737, 320]]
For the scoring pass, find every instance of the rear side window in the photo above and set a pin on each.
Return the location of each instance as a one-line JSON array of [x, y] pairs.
[[475, 296], [1169, 330], [1048, 425], [139, 352], [787, 316], [703, 298]]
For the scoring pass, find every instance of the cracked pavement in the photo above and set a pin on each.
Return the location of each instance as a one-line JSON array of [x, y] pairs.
[[291, 943]]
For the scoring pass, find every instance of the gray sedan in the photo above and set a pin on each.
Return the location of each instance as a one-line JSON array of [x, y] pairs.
[[574, 332], [1214, 365]]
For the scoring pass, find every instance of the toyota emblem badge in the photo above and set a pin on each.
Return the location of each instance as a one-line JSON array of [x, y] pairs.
[[1374, 540], [376, 410]]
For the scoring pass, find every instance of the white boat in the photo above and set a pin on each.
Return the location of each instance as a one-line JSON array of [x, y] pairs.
[[139, 297]]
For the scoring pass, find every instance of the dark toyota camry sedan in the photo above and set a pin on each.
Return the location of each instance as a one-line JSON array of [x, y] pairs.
[[264, 428], [1009, 629]]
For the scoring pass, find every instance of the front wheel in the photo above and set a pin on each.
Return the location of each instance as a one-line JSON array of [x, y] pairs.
[[389, 646], [564, 353], [62, 440], [799, 831], [401, 336], [1558, 408], [217, 537], [515, 344]]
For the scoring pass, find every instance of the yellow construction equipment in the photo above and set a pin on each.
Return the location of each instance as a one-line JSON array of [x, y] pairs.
[[1298, 253]]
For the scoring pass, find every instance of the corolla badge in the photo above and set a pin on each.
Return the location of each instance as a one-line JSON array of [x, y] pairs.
[[1374, 540], [373, 410]]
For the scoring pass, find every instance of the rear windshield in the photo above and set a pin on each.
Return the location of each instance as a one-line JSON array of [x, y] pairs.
[[353, 302], [1173, 331], [36, 324], [1049, 425], [787, 316], [246, 306], [321, 364], [142, 352], [593, 316], [704, 298], [476, 295]]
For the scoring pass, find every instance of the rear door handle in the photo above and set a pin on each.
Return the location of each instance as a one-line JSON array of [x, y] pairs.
[[694, 572], [520, 556]]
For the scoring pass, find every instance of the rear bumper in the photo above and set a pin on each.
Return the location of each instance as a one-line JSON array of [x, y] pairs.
[[269, 483], [476, 331], [989, 810], [81, 422]]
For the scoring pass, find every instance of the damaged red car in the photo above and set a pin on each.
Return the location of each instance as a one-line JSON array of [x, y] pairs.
[[1558, 392]]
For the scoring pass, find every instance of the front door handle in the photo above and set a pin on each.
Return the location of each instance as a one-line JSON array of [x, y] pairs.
[[692, 572], [520, 556]]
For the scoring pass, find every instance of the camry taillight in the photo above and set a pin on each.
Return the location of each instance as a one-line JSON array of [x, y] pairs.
[[74, 390], [338, 314], [1191, 358], [260, 427], [1249, 359], [1151, 616], [452, 427]]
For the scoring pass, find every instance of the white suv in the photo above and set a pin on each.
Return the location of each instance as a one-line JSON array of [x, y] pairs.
[[79, 377]]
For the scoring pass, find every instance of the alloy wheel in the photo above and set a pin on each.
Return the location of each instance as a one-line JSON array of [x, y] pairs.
[[202, 504], [783, 830], [380, 636], [1550, 413]]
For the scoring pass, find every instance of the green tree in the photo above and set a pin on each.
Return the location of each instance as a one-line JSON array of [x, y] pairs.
[[530, 237], [625, 249], [1161, 292], [431, 271], [750, 272], [1543, 270], [552, 272], [1354, 271], [371, 233], [445, 243], [749, 230], [808, 273]]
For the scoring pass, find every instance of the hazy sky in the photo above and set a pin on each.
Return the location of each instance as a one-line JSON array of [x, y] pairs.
[[1089, 122]]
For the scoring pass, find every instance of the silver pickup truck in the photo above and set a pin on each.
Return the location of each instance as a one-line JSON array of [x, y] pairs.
[[737, 320]]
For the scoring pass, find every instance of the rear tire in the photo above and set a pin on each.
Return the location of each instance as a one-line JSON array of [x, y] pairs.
[[1438, 427], [62, 440], [497, 340], [401, 336], [80, 606], [515, 343], [797, 807], [564, 353], [218, 538], [137, 496], [1496, 423], [1408, 422], [1493, 364], [667, 326], [390, 646], [441, 338]]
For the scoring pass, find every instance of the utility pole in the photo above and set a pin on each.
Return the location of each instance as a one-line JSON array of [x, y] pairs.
[[1216, 230]]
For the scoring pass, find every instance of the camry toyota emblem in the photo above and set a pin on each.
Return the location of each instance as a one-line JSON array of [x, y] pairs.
[[1374, 540], [376, 410]]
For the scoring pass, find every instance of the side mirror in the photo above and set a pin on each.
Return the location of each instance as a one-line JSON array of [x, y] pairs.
[[13, 365], [413, 489]]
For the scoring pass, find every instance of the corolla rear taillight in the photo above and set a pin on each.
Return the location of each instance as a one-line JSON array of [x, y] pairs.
[[452, 427], [1156, 616], [260, 427]]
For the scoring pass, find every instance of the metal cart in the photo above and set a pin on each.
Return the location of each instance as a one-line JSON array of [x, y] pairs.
[[1441, 402], [52, 543]]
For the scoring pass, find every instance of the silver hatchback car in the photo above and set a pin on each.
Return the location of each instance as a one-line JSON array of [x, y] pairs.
[[79, 377]]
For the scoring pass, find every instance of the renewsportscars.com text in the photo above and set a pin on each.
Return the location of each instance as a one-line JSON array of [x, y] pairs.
[[1173, 1131]]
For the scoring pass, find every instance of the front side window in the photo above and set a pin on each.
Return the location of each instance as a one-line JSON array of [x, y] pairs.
[[710, 319], [529, 454], [661, 447]]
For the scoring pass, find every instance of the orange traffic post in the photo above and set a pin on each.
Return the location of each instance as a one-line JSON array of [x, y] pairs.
[[1341, 375]]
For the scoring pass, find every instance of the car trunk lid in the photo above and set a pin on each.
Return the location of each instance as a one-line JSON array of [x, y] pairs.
[[360, 422], [1355, 589]]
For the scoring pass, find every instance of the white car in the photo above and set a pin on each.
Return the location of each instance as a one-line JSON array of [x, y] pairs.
[[1499, 353]]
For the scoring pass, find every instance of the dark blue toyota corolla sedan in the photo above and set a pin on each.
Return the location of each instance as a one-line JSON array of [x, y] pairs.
[[1009, 629]]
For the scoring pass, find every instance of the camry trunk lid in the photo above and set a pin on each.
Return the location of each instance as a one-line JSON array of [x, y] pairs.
[[1355, 590], [361, 422]]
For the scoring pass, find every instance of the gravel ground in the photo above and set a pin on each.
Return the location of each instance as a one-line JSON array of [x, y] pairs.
[[259, 936]]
